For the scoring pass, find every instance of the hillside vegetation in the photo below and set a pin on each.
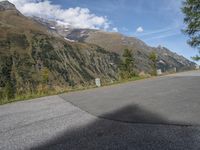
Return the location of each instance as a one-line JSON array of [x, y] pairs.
[[37, 60], [116, 42], [34, 61]]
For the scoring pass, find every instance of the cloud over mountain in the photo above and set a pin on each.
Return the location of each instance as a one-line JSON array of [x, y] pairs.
[[72, 17]]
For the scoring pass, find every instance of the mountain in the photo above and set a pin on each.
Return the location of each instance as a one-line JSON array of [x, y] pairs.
[[31, 55], [35, 52], [115, 42], [5, 5]]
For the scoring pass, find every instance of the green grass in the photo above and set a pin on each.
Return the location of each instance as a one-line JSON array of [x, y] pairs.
[[29, 96]]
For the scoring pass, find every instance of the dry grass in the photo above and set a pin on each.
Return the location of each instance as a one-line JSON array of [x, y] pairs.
[[43, 90]]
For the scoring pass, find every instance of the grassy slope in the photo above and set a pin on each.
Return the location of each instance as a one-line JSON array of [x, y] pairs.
[[116, 42], [29, 96], [28, 52]]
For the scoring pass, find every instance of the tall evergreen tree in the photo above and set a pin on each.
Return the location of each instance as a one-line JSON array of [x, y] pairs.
[[191, 9], [127, 65], [153, 59]]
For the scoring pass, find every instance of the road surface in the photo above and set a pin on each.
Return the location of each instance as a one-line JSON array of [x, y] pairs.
[[160, 113]]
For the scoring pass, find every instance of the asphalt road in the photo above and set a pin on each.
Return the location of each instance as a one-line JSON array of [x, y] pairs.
[[160, 113], [173, 99]]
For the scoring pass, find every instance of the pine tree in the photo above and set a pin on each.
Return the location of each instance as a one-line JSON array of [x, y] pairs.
[[191, 9], [127, 65], [153, 59]]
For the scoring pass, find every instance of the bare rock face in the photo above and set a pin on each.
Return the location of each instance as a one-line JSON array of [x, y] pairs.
[[32, 49], [115, 42], [169, 60], [5, 5], [30, 53]]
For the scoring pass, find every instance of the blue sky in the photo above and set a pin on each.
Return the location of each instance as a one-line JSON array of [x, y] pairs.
[[161, 20], [156, 22]]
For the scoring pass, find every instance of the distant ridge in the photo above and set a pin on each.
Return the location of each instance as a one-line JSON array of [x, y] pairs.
[[116, 42]]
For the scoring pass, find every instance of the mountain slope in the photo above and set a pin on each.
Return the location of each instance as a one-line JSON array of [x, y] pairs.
[[116, 42], [30, 55]]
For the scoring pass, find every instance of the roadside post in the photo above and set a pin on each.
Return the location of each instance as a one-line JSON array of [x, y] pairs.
[[175, 69], [98, 82], [159, 72]]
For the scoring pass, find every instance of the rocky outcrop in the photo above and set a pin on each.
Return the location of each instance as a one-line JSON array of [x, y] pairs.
[[30, 55], [5, 5], [35, 51], [168, 60], [115, 42]]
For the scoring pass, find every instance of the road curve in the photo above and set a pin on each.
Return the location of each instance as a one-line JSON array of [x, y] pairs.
[[160, 113], [173, 99]]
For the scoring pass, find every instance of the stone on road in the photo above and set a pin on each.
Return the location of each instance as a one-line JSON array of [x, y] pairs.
[[161, 113]]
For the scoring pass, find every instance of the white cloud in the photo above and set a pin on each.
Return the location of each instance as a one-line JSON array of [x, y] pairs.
[[139, 30], [73, 17], [115, 29]]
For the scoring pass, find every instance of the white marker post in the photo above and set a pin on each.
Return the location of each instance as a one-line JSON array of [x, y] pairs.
[[159, 72], [175, 69], [98, 82]]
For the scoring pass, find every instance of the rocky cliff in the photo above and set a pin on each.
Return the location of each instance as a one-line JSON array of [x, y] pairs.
[[116, 42], [34, 52], [30, 55]]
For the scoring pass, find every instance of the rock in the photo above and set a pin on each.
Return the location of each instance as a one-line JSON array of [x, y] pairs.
[[6, 5]]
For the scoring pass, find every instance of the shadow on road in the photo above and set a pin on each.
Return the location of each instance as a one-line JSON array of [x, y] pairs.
[[135, 114], [103, 134]]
